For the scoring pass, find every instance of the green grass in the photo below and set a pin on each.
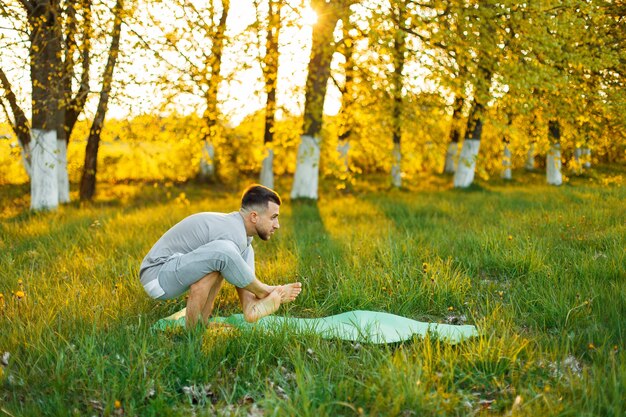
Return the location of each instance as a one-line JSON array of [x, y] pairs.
[[539, 269]]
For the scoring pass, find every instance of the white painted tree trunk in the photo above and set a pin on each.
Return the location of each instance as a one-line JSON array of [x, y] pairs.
[[578, 166], [553, 165], [62, 176], [586, 157], [506, 163], [464, 175], [577, 154], [207, 161], [344, 149], [307, 169], [267, 169], [530, 158], [451, 154], [396, 168], [44, 183]]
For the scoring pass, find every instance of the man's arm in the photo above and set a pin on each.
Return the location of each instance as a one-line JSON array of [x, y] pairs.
[[258, 288]]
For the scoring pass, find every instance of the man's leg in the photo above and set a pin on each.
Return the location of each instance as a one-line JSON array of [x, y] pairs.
[[202, 298], [291, 291], [255, 308], [261, 290]]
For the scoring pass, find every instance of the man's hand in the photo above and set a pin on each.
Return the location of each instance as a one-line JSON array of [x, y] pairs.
[[259, 289]]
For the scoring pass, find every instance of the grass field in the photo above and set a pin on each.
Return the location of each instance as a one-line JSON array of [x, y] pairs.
[[540, 271]]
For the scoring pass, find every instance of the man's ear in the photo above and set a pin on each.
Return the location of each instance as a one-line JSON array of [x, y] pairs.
[[254, 217]]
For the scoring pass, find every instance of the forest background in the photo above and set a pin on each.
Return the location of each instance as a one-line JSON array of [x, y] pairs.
[[216, 90]]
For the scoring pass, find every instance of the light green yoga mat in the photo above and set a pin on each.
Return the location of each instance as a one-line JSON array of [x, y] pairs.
[[362, 326]]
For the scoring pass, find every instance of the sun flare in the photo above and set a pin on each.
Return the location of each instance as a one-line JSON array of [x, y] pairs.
[[309, 17]]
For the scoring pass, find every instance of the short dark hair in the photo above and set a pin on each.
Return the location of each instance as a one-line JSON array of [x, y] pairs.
[[257, 195]]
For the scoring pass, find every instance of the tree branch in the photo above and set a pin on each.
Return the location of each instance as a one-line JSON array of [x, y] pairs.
[[28, 5], [77, 103], [341, 89], [20, 124]]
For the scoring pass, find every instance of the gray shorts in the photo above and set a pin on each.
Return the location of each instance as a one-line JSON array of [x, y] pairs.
[[180, 271]]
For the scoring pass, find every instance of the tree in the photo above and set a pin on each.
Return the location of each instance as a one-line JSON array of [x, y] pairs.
[[506, 153], [213, 80], [399, 16], [486, 33], [346, 116], [90, 168], [20, 124], [455, 135], [269, 67], [306, 177], [57, 32], [553, 159], [189, 51]]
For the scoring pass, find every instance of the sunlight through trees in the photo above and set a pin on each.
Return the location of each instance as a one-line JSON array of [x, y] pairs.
[[329, 90]]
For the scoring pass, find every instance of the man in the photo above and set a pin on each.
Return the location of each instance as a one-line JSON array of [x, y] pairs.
[[202, 250]]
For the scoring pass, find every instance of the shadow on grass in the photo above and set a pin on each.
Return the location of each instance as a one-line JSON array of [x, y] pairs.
[[473, 232], [129, 197], [321, 261]]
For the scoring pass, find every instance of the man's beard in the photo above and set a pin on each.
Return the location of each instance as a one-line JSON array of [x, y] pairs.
[[264, 235]]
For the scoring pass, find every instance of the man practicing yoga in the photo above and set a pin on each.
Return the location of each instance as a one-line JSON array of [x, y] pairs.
[[202, 250]]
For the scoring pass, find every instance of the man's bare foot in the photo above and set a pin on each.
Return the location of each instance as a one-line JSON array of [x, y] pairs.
[[291, 291], [260, 308]]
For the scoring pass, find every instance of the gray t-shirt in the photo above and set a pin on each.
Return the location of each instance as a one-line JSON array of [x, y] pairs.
[[195, 231]]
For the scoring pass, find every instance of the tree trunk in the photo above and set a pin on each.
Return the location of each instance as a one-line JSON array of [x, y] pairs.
[[208, 171], [270, 72], [506, 153], [45, 61], [399, 52], [62, 175], [451, 156], [464, 175], [75, 105], [44, 186], [586, 156], [577, 165], [455, 135], [506, 162], [553, 159], [267, 172], [19, 125], [207, 162], [346, 113], [396, 171], [307, 167], [88, 179], [343, 149], [530, 157]]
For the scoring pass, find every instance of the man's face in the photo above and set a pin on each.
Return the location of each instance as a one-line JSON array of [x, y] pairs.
[[267, 221]]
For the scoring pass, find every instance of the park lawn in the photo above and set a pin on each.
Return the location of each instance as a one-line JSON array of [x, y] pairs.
[[540, 270]]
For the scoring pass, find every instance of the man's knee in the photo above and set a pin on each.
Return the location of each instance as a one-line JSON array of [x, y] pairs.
[[227, 249], [228, 260]]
